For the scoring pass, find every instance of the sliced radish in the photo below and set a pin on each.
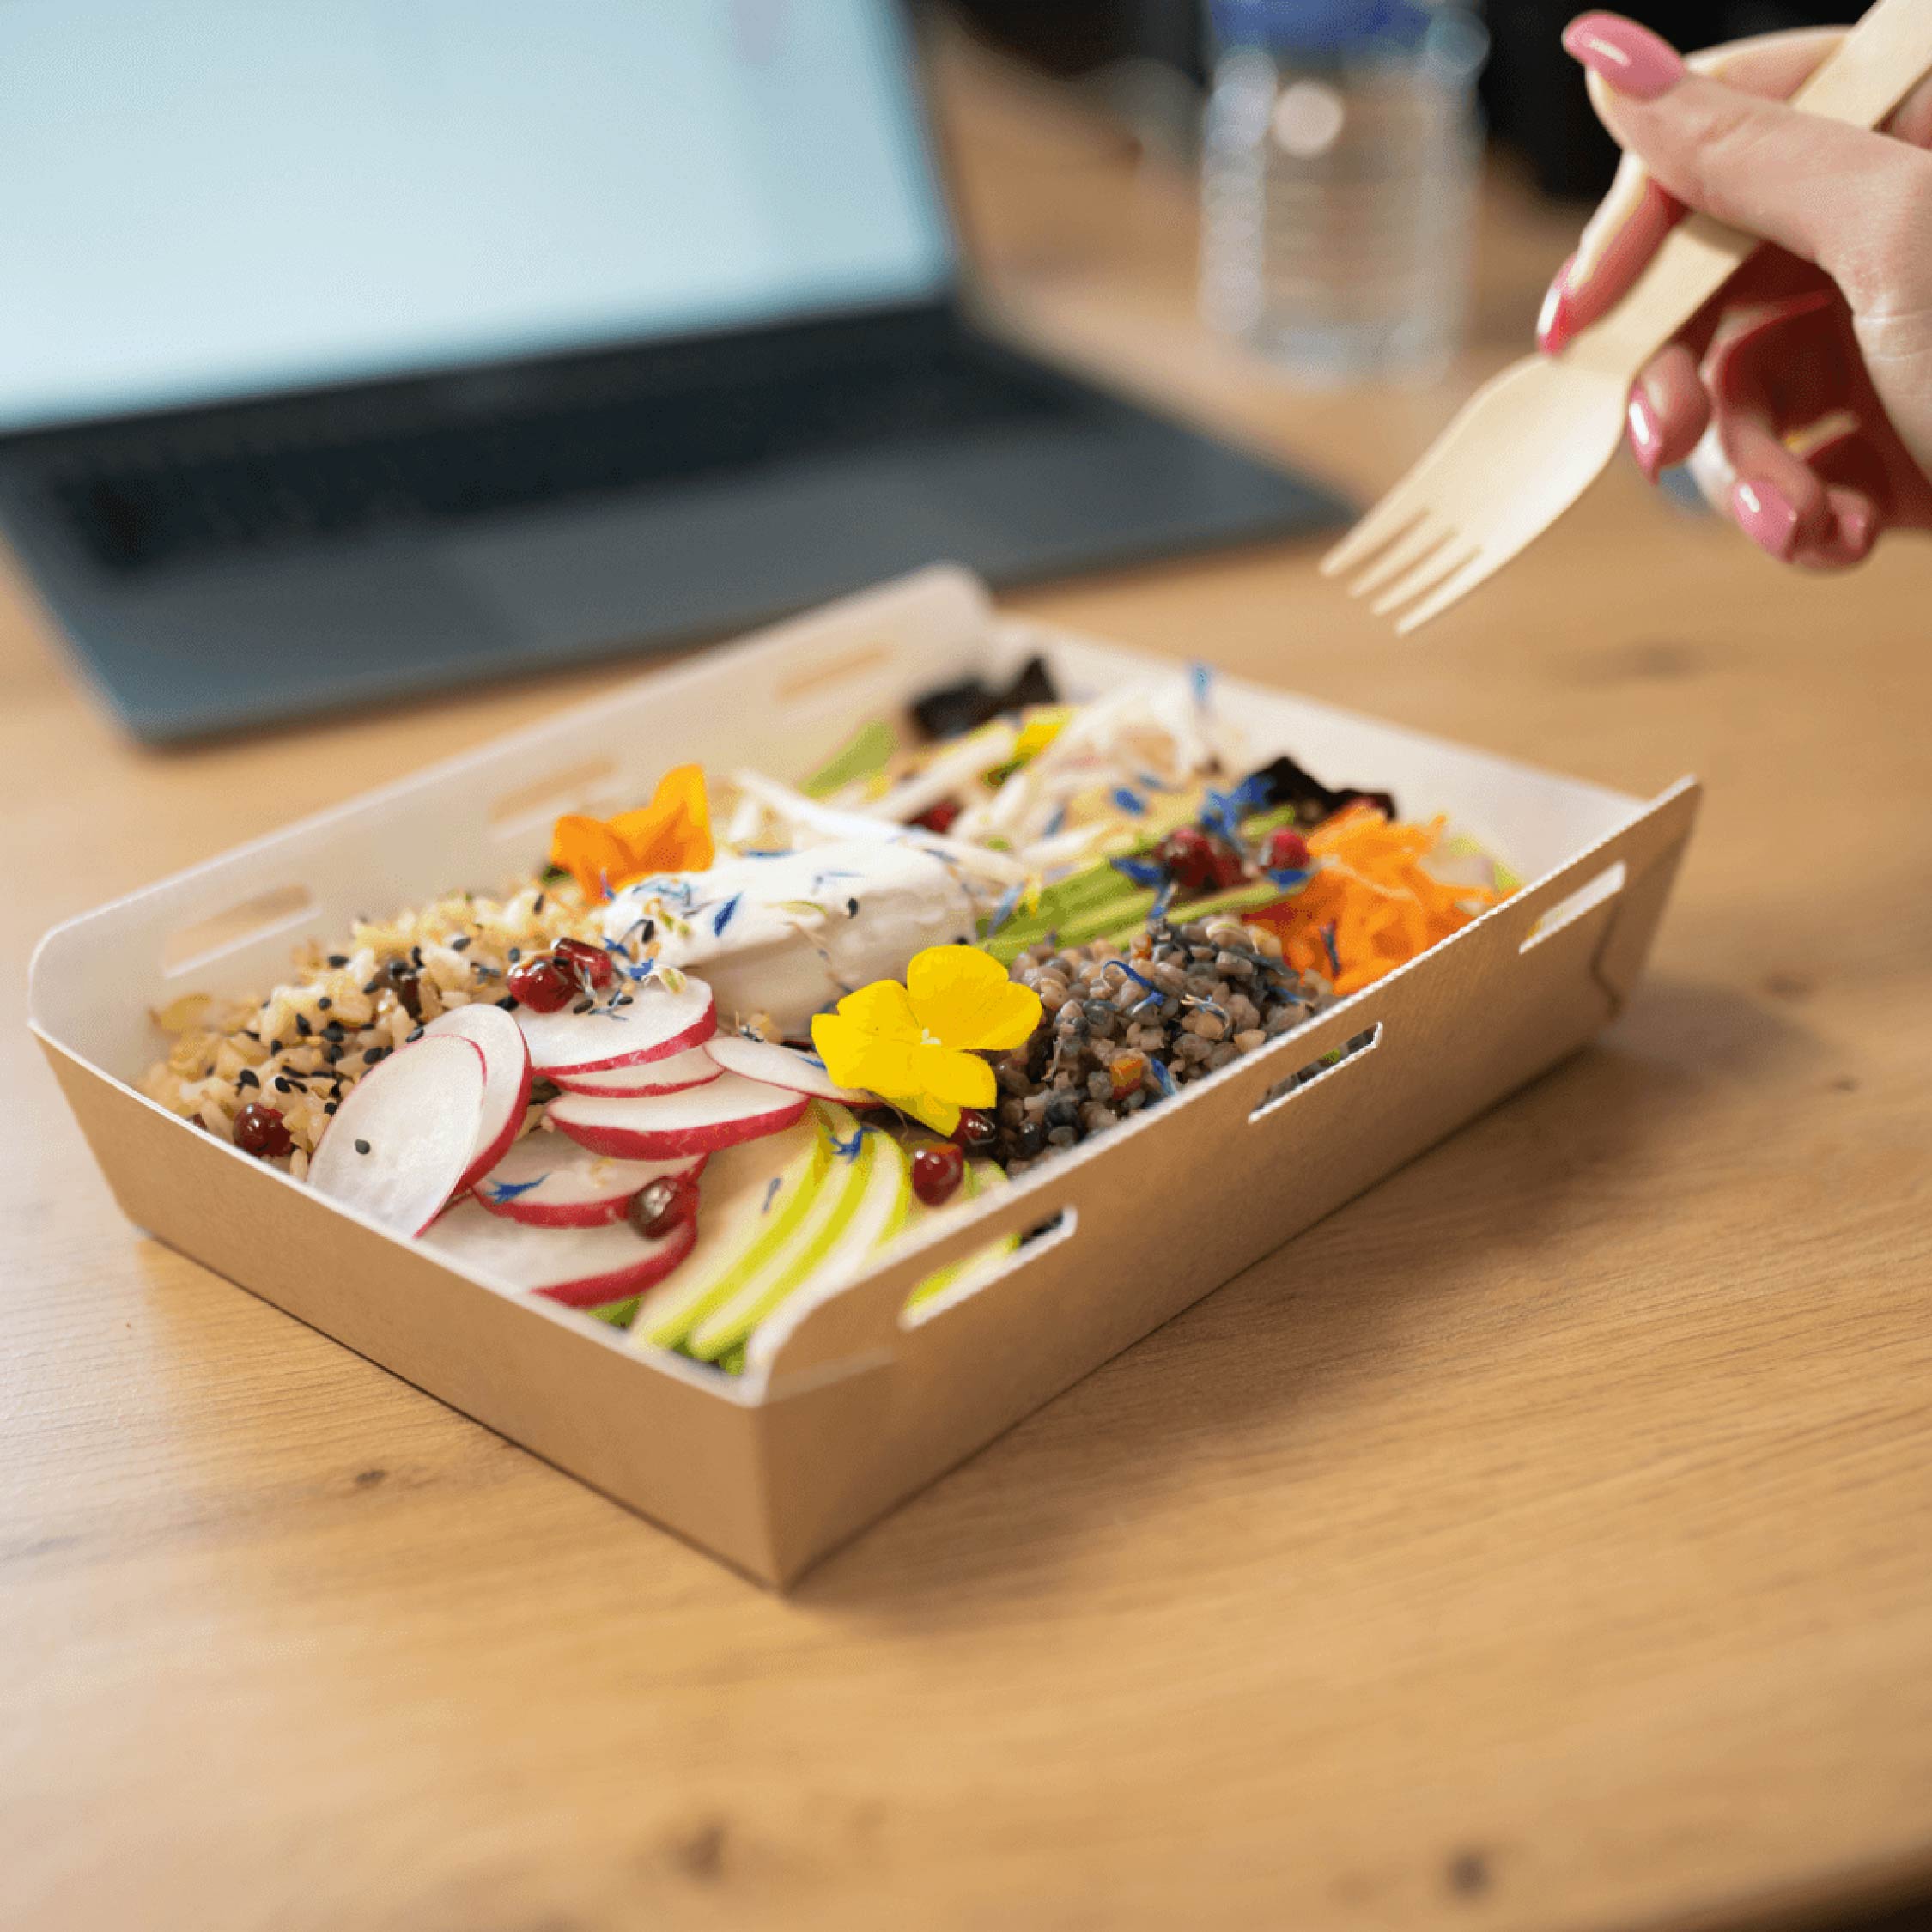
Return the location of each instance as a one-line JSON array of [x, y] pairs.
[[661, 1126], [658, 1023], [547, 1181], [582, 1267], [499, 1039], [694, 1068], [402, 1140], [782, 1067]]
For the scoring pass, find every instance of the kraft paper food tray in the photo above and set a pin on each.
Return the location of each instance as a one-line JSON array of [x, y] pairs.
[[846, 1408]]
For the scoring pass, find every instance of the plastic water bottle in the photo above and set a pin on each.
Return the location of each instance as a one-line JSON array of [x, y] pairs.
[[1338, 170]]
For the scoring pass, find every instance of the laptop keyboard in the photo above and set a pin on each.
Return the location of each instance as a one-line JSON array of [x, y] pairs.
[[181, 497]]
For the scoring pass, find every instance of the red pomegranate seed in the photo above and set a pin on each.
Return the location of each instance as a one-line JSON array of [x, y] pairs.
[[939, 817], [1286, 851], [936, 1172], [592, 963], [259, 1130], [543, 986], [1188, 854], [664, 1205]]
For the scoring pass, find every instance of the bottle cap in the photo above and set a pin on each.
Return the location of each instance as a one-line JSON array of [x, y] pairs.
[[1319, 26]]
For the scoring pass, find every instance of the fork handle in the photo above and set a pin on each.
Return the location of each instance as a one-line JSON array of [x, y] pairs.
[[1869, 72]]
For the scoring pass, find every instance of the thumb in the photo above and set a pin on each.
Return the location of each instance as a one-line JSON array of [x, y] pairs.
[[1846, 199]]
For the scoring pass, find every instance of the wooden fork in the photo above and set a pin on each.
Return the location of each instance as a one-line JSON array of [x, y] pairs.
[[1530, 442]]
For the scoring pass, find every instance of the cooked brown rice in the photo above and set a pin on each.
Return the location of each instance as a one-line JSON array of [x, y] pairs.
[[314, 1035]]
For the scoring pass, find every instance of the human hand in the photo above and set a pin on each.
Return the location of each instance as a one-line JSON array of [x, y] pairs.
[[1801, 395]]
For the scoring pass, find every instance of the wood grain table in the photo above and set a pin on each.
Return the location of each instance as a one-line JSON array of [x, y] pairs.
[[1543, 1541]]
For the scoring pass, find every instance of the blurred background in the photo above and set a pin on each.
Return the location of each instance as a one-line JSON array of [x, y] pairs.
[[512, 344], [1149, 58]]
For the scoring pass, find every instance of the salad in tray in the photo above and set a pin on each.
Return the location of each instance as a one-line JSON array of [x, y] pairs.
[[740, 1038]]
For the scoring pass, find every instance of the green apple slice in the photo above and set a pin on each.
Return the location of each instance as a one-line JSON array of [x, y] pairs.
[[851, 1224], [750, 1202]]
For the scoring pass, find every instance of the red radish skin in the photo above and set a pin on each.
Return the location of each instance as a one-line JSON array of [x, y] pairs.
[[692, 1068], [728, 1111], [657, 1025], [417, 1114], [582, 1267], [547, 1181], [782, 1067], [507, 1077]]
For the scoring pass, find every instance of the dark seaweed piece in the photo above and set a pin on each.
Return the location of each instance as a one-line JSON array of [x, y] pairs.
[[1284, 782], [953, 710]]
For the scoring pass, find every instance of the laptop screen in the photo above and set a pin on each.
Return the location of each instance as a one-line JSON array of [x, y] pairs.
[[216, 199]]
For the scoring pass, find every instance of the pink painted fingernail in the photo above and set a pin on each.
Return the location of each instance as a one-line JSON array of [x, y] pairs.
[[1766, 518], [1555, 324], [1855, 525], [1646, 436], [1630, 58]]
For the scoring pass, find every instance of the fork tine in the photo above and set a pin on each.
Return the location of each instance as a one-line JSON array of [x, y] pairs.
[[1385, 522], [1407, 551], [1445, 563], [1457, 586]]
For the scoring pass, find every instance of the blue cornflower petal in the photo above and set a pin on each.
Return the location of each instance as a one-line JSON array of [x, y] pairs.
[[508, 1190]]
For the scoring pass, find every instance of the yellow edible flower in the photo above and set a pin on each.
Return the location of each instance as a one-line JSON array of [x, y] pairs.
[[672, 834], [917, 1046], [1039, 731]]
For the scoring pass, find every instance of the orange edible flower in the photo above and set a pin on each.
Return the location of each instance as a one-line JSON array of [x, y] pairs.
[[672, 834], [1370, 898]]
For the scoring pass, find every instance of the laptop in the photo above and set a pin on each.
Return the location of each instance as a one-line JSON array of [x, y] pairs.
[[351, 351]]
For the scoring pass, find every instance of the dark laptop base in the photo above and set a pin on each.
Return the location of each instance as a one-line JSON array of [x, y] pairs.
[[234, 567]]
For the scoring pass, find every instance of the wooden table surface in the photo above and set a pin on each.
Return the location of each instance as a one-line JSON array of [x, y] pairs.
[[1543, 1541]]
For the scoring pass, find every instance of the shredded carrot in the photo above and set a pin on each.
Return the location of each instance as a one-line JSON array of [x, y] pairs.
[[672, 834], [1372, 905]]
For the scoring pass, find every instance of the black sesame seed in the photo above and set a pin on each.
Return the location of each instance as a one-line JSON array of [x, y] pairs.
[[583, 1006], [507, 1001], [362, 1146], [414, 1033], [852, 908], [246, 1078], [646, 931], [339, 959], [515, 954], [461, 944], [283, 1085], [376, 1053], [333, 1053], [325, 1002], [331, 1107], [334, 1031], [377, 983], [539, 905], [302, 1026]]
